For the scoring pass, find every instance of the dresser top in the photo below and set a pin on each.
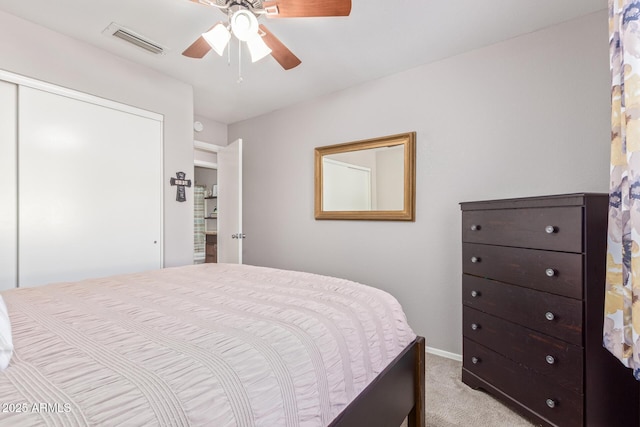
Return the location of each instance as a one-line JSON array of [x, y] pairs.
[[573, 199]]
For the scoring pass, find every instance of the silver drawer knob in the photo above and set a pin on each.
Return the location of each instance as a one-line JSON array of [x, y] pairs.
[[475, 227], [550, 359], [475, 326], [475, 259], [550, 229], [551, 403], [550, 272], [549, 315], [475, 360], [475, 294]]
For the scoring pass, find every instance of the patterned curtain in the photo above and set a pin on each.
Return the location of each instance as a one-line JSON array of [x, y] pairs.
[[622, 305], [198, 223]]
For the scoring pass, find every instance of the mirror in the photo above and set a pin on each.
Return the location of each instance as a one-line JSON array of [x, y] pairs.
[[372, 179]]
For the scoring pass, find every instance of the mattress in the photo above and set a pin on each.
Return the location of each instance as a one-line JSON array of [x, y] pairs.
[[204, 345]]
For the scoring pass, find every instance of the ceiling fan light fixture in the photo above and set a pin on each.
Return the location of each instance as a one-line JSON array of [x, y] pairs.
[[244, 24], [257, 48], [218, 37]]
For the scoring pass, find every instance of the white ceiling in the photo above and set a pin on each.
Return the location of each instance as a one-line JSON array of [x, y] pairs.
[[378, 38]]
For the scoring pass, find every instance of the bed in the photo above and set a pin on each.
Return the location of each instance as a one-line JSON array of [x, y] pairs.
[[211, 345]]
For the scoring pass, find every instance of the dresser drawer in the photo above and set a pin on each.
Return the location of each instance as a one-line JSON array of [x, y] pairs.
[[558, 229], [558, 360], [556, 404], [556, 272], [527, 307]]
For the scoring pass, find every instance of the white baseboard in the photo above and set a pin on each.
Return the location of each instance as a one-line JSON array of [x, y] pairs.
[[443, 353]]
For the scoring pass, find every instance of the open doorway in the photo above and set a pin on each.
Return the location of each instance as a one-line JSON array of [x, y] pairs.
[[205, 218], [222, 235], [205, 215]]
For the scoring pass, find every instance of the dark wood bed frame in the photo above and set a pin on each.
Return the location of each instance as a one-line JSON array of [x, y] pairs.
[[397, 393]]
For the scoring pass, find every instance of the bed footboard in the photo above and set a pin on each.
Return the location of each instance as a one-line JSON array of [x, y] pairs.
[[397, 393]]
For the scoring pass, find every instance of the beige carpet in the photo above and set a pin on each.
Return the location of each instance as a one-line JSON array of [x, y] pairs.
[[450, 403]]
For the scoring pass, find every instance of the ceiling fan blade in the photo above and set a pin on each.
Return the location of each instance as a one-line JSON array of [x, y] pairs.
[[307, 8], [198, 48], [279, 51]]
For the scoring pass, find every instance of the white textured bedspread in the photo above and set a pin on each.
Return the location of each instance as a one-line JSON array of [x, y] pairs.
[[205, 345]]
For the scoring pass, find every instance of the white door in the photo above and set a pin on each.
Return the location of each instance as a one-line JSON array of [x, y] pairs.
[[230, 234], [8, 186], [90, 185], [345, 187]]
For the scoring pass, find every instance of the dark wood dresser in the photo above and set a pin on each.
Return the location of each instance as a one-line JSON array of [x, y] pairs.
[[533, 297]]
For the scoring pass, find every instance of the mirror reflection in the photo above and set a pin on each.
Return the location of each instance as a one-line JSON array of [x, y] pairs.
[[371, 179], [364, 180]]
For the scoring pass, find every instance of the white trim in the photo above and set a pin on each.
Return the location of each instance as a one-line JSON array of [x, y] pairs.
[[205, 164], [443, 353], [162, 200], [80, 96], [206, 146]]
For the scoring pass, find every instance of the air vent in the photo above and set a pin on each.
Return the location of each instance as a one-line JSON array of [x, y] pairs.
[[134, 38]]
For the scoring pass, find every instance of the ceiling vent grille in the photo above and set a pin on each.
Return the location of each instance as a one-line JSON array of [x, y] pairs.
[[133, 38]]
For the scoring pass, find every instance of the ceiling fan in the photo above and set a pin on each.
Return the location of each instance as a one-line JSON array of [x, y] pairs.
[[242, 22]]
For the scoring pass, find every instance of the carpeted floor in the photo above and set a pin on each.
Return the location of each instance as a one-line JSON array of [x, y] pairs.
[[450, 403]]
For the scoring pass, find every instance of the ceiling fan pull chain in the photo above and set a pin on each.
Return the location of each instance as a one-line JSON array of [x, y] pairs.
[[239, 62]]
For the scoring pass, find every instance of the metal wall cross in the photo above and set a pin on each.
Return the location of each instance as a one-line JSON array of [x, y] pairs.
[[181, 182]]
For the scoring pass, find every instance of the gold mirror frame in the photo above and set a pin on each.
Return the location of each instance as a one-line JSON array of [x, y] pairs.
[[408, 140]]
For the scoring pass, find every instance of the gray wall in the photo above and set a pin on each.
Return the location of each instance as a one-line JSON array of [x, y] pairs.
[[529, 116], [212, 132], [39, 53]]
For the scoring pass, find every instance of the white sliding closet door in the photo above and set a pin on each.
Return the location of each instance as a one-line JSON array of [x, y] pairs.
[[8, 186], [90, 185]]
